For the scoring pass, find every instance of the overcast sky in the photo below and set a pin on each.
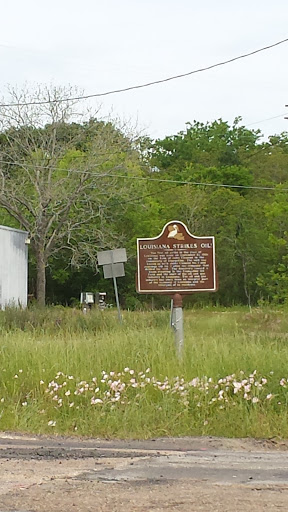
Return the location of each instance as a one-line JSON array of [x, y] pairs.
[[103, 45]]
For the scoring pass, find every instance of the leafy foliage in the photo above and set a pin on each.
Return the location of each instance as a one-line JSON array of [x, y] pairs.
[[78, 187]]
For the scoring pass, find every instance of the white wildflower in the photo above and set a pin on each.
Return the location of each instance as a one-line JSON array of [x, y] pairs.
[[95, 401]]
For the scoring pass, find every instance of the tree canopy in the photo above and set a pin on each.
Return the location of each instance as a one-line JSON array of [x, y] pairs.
[[80, 184]]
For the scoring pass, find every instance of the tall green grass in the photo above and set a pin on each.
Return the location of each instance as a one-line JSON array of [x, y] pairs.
[[60, 345]]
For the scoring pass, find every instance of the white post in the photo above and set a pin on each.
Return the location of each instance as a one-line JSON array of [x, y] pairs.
[[177, 324], [117, 300]]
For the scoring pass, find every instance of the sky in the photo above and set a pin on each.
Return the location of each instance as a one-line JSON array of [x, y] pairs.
[[99, 46]]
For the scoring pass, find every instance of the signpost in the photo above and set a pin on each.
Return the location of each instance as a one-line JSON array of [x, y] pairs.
[[113, 266], [176, 263]]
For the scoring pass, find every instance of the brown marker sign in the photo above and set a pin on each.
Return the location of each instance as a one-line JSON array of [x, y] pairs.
[[176, 262]]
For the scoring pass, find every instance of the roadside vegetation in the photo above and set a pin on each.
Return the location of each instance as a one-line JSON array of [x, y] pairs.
[[68, 373], [79, 183]]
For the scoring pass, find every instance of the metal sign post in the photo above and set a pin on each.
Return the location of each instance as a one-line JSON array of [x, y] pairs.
[[117, 299], [177, 323], [113, 267]]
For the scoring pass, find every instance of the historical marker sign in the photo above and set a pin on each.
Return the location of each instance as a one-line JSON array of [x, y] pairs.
[[176, 262]]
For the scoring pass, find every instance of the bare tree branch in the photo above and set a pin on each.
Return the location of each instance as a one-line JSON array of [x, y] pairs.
[[45, 185]]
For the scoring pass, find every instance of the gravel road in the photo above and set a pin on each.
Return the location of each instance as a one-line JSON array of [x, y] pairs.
[[182, 474]]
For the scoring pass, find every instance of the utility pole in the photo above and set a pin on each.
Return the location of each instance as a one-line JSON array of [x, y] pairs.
[[286, 107]]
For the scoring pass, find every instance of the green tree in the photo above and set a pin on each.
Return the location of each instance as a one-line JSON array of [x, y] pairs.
[[273, 281], [57, 176], [210, 145]]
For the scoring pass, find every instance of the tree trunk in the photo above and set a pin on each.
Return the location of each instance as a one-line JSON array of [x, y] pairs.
[[41, 276]]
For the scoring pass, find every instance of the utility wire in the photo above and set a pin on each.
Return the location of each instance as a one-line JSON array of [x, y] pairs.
[[134, 199], [158, 180], [147, 84], [267, 119], [179, 182]]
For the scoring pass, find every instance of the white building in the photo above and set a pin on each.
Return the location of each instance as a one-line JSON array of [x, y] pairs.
[[13, 267]]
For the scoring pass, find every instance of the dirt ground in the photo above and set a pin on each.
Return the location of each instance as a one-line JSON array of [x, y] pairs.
[[188, 474]]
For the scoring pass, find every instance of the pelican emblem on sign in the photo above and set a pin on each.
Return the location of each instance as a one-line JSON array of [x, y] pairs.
[[174, 232]]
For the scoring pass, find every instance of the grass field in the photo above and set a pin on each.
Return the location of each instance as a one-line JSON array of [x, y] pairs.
[[69, 373]]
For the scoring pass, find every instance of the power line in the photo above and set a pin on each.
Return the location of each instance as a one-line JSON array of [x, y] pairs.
[[159, 180], [162, 180], [147, 84], [267, 119], [60, 169], [134, 199]]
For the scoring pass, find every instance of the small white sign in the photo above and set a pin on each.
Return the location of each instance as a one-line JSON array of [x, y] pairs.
[[113, 256]]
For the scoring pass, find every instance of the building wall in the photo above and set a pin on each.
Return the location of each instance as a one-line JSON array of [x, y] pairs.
[[13, 267]]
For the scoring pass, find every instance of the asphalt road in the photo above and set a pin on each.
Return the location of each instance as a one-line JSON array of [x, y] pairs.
[[161, 474]]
